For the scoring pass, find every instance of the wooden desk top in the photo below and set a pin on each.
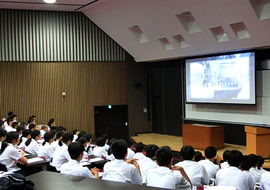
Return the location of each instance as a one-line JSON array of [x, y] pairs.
[[54, 181]]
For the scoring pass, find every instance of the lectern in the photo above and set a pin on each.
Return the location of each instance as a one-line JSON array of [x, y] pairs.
[[258, 141]]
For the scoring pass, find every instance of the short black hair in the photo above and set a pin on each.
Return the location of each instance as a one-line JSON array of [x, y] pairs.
[[87, 136], [32, 126], [75, 149], [101, 141], [9, 119], [111, 141], [20, 128], [187, 152], [246, 165], [225, 155], [235, 158], [139, 147], [3, 133], [164, 156], [253, 160], [151, 150], [82, 140], [119, 149], [130, 143], [81, 134], [260, 161], [210, 152], [105, 136], [198, 156], [75, 131]]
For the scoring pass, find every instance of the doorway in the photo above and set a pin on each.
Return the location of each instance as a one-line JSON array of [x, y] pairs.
[[112, 120]]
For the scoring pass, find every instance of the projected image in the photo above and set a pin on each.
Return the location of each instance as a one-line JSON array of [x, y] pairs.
[[221, 79]]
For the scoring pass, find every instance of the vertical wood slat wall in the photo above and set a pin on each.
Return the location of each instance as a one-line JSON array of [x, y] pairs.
[[29, 88]]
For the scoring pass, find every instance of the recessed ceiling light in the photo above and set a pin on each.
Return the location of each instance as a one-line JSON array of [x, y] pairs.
[[49, 1]]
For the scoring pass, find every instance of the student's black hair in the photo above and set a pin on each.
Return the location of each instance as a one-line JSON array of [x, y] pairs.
[[10, 113], [111, 141], [14, 115], [105, 136], [14, 124], [32, 126], [198, 156], [253, 160], [53, 132], [164, 156], [20, 128], [87, 136], [139, 147], [260, 162], [47, 137], [225, 155], [50, 122], [53, 128], [246, 165], [119, 149], [9, 138], [130, 143], [3, 133], [151, 150], [187, 152], [25, 133], [81, 134], [75, 149], [65, 138], [235, 158], [210, 152], [31, 119], [34, 134], [82, 140], [59, 134], [101, 141], [75, 131], [1, 122], [9, 119]]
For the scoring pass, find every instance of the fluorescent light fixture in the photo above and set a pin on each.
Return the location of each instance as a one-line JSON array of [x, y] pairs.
[[49, 1]]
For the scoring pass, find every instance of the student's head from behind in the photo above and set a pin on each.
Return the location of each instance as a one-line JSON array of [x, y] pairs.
[[130, 143], [245, 163], [101, 141], [106, 137], [260, 162], [59, 135], [225, 155], [210, 152], [1, 124], [12, 137], [20, 129], [235, 158], [48, 137], [51, 122], [164, 156], [26, 133], [253, 160], [75, 150], [198, 156], [32, 126], [83, 141], [3, 134], [35, 134], [139, 147], [119, 149], [66, 138], [9, 121], [151, 150], [76, 131], [187, 152]]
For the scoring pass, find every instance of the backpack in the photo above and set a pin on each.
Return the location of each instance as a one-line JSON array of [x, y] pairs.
[[15, 181]]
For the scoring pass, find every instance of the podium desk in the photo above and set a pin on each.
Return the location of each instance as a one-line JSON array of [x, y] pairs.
[[201, 136]]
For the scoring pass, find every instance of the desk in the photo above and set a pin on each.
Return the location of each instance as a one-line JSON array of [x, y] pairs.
[[54, 181], [202, 136]]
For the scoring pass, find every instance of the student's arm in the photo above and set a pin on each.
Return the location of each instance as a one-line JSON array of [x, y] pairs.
[[134, 162], [182, 171], [23, 160], [95, 172], [218, 160]]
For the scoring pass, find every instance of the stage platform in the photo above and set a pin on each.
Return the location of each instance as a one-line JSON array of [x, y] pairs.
[[175, 143]]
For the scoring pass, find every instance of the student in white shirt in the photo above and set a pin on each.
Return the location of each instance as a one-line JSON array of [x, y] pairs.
[[163, 176], [265, 181], [31, 144], [9, 155], [58, 137], [106, 137], [225, 164], [233, 176], [256, 175], [99, 150], [88, 147], [83, 141], [148, 162], [196, 172], [20, 129], [139, 151], [75, 134], [61, 154], [130, 152], [210, 156], [26, 134], [9, 127], [120, 170], [51, 123], [259, 165], [245, 166], [46, 149], [198, 156], [110, 154], [73, 167]]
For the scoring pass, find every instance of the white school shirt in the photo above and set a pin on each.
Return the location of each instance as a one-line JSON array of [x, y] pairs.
[[163, 177], [261, 170], [130, 154], [5, 125], [224, 165], [106, 147], [145, 165], [250, 181], [33, 147], [10, 157], [139, 156], [210, 168], [265, 181], [120, 171], [54, 144], [22, 144], [46, 151], [73, 167], [233, 176], [99, 151], [60, 156], [90, 149], [196, 172], [74, 138], [42, 133], [255, 174], [9, 129]]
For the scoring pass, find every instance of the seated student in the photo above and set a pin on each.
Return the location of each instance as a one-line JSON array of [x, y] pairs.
[[3, 134], [51, 123], [83, 141], [225, 164], [33, 127], [2, 124], [245, 166], [14, 124], [46, 149], [73, 167], [31, 120], [99, 150], [120, 170], [233, 176], [139, 149], [75, 134], [31, 144], [265, 181], [106, 137], [110, 154], [196, 172], [58, 137], [130, 152], [198, 156], [211, 155], [89, 147], [9, 127], [256, 175], [20, 129], [9, 155], [163, 176], [44, 129], [26, 134], [148, 162], [61, 154], [259, 165]]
